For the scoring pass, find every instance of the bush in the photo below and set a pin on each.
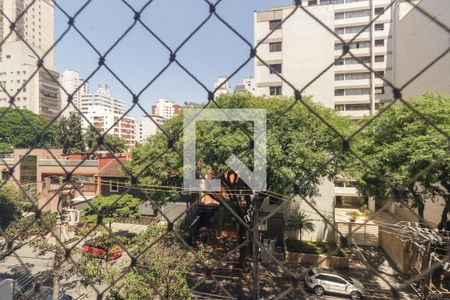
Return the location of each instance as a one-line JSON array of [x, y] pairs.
[[312, 247]]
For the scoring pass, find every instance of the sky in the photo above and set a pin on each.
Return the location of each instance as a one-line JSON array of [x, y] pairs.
[[215, 50]]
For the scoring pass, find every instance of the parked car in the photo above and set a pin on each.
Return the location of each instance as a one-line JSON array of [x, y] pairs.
[[104, 250], [322, 281]]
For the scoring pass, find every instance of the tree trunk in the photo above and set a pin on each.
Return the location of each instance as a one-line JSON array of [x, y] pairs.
[[444, 181]]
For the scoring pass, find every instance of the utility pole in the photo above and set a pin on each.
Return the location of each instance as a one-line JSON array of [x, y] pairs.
[[56, 258], [255, 247]]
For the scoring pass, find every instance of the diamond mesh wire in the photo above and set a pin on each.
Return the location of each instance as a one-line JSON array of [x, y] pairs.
[[208, 274]]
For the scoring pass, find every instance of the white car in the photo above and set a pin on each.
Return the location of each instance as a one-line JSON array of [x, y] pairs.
[[323, 280]]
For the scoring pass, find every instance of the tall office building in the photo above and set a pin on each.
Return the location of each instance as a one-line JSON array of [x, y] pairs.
[[299, 54], [35, 29]]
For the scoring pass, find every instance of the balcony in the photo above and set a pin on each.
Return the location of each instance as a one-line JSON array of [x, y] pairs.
[[345, 191], [354, 115]]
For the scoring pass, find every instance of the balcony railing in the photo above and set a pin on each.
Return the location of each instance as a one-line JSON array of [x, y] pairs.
[[68, 163]]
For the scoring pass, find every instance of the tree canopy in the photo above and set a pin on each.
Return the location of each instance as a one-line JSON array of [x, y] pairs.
[[399, 145], [110, 142], [70, 135], [112, 207], [15, 131], [299, 145]]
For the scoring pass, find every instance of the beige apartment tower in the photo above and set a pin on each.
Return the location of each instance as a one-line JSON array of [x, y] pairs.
[[300, 49], [19, 54]]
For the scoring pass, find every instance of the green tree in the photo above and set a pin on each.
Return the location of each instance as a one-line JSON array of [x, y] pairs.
[[9, 208], [110, 142], [19, 128], [299, 220], [70, 135], [112, 207], [162, 266], [299, 148], [399, 145]]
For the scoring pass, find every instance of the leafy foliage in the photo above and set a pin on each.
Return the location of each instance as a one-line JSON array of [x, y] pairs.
[[70, 135], [9, 208], [298, 143], [299, 220], [15, 131], [112, 207], [400, 144], [162, 266], [110, 142]]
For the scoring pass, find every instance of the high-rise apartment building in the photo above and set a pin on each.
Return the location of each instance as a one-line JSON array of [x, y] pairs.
[[104, 112], [165, 108], [36, 27], [72, 84], [101, 100], [299, 55], [223, 86], [148, 127], [18, 60]]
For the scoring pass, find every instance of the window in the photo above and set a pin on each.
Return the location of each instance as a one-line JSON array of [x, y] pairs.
[[379, 58], [379, 10], [275, 68], [357, 76], [380, 74], [8, 56], [339, 16], [339, 92], [379, 27], [275, 47], [114, 185], [355, 92], [274, 24], [5, 175], [275, 90], [356, 29], [379, 90], [339, 30], [352, 61], [379, 43], [339, 77], [339, 107], [312, 2], [339, 62], [352, 107]]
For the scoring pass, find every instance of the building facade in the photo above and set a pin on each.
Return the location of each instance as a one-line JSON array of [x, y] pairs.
[[300, 55], [35, 35], [75, 86], [106, 113], [148, 127], [247, 86], [165, 108]]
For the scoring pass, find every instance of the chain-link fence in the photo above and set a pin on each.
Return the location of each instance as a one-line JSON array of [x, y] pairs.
[[235, 242]]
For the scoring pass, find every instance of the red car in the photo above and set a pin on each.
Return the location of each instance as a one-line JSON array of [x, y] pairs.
[[103, 250]]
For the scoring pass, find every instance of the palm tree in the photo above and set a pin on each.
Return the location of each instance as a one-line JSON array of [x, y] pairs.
[[300, 221], [110, 142]]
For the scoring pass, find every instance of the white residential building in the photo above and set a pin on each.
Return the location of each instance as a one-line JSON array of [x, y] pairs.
[[413, 34], [36, 26], [103, 111], [105, 120], [165, 108], [102, 99], [223, 89], [247, 86], [300, 55], [40, 93], [73, 84], [148, 127]]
